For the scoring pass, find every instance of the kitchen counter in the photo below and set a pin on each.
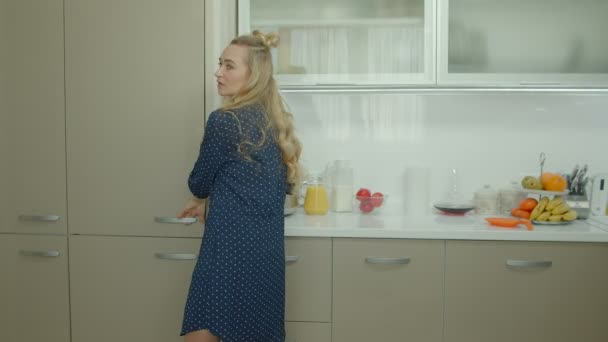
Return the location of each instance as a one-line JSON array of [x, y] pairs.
[[436, 226]]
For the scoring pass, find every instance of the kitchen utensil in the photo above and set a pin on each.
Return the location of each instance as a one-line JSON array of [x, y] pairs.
[[599, 194], [574, 172], [509, 222], [580, 188]]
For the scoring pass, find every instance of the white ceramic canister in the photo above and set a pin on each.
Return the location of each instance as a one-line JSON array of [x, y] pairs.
[[509, 198], [486, 201]]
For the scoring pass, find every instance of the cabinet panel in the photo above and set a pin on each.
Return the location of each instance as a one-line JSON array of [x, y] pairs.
[[537, 42], [135, 89], [508, 291], [347, 42], [308, 279], [33, 118], [387, 290], [306, 331], [34, 289], [129, 289]]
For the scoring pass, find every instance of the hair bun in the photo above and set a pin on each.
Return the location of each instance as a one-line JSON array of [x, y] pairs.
[[269, 40]]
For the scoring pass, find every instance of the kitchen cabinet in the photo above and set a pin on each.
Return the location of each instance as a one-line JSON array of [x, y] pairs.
[[135, 108], [308, 279], [307, 331], [544, 43], [32, 171], [129, 288], [345, 43], [387, 290], [525, 291], [34, 289]]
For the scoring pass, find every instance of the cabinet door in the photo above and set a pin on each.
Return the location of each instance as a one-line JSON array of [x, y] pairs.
[[387, 290], [33, 192], [307, 332], [135, 75], [34, 288], [341, 43], [528, 292], [523, 43], [308, 279], [129, 288]]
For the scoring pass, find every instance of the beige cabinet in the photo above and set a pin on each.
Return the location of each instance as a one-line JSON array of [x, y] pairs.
[[34, 288], [526, 291], [308, 279], [33, 185], [307, 332], [387, 290], [134, 90], [129, 288]]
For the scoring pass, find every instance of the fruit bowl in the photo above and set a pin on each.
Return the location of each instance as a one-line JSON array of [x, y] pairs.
[[370, 204]]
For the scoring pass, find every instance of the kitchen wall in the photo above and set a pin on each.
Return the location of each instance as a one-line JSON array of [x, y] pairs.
[[489, 138]]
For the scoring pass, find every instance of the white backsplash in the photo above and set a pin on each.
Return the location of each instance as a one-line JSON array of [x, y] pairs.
[[489, 138]]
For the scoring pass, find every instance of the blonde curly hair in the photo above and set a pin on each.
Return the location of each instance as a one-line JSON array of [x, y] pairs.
[[262, 89]]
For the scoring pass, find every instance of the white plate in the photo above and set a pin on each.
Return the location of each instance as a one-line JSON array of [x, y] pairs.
[[549, 223], [544, 192]]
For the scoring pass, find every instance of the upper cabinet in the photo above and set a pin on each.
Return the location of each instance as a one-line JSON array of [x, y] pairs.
[[32, 118], [485, 43], [134, 119], [347, 42], [549, 43]]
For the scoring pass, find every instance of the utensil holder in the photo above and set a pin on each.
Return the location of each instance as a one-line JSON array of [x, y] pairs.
[[580, 204]]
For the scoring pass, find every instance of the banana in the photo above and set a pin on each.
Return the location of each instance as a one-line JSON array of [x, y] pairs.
[[570, 216], [540, 207], [560, 209], [554, 203], [544, 216], [555, 218]]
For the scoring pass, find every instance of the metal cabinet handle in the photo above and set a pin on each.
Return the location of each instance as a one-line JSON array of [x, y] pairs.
[[539, 83], [387, 261], [164, 219], [175, 256], [529, 263], [292, 258], [43, 254], [40, 218]]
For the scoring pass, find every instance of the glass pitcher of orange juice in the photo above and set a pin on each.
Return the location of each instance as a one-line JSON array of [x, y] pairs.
[[316, 201]]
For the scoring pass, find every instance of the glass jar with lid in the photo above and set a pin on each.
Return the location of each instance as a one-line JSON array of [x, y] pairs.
[[316, 201]]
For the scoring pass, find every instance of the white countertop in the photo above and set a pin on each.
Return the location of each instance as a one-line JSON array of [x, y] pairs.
[[436, 226]]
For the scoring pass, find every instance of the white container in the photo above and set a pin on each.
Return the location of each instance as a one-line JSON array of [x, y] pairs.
[[340, 180], [486, 201], [509, 197]]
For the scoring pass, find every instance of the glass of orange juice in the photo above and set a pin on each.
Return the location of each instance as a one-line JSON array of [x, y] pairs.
[[316, 201]]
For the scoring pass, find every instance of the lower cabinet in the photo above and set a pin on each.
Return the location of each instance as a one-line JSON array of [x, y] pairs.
[[128, 289], [308, 332], [34, 291], [387, 290], [308, 289], [526, 292]]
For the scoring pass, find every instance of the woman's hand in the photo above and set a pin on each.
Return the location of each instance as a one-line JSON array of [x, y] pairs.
[[195, 208]]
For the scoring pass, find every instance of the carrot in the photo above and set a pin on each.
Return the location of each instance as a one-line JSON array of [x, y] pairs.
[[508, 222]]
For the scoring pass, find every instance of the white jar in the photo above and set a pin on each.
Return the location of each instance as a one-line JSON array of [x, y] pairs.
[[509, 198], [486, 201]]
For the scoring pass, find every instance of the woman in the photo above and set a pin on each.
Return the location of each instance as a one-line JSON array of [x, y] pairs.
[[247, 162]]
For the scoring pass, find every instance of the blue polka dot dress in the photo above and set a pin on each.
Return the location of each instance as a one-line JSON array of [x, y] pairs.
[[238, 283]]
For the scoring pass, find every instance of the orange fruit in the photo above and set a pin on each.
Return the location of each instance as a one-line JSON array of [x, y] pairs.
[[553, 182], [520, 213], [528, 204]]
